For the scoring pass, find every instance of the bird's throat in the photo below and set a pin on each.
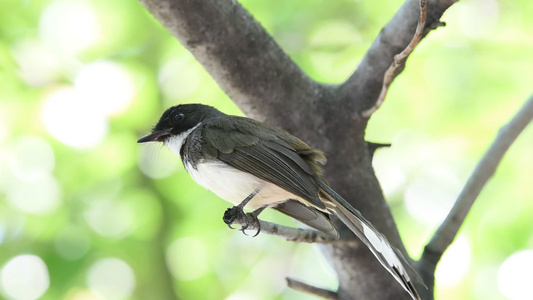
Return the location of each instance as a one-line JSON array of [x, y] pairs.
[[175, 142]]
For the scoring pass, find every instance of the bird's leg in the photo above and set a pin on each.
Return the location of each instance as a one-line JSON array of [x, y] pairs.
[[237, 211], [255, 220]]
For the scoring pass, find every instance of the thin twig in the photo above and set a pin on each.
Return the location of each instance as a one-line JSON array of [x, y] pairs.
[[398, 60], [310, 289], [483, 172], [291, 234], [372, 147]]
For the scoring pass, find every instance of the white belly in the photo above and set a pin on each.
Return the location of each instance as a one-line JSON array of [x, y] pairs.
[[233, 185]]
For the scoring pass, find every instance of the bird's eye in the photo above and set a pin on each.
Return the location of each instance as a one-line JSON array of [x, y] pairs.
[[178, 118]]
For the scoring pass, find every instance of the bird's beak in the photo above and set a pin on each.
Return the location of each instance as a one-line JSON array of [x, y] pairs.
[[155, 136]]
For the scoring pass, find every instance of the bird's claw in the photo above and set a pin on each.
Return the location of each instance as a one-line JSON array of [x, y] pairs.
[[230, 215], [233, 213], [256, 221]]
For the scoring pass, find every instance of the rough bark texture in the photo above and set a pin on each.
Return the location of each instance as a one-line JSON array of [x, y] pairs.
[[263, 81]]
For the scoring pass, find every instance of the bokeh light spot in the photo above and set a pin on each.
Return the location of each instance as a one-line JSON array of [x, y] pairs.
[[187, 258], [178, 78], [429, 196], [514, 276], [110, 218], [112, 278], [38, 64], [454, 263], [478, 18], [391, 177], [72, 243], [242, 295], [83, 295], [107, 86], [72, 121], [334, 34], [3, 129], [69, 26], [157, 163], [25, 277], [32, 158], [40, 196]]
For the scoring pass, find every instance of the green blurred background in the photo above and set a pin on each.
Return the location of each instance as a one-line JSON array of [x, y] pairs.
[[86, 213]]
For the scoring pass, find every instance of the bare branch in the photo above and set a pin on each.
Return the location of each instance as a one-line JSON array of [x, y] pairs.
[[291, 234], [482, 173], [311, 289], [365, 84], [398, 61]]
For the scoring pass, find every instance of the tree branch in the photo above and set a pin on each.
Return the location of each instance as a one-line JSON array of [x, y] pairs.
[[399, 60], [311, 289], [291, 234], [365, 84], [239, 54], [447, 231]]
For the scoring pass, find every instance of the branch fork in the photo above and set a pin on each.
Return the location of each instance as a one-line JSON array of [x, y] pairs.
[[399, 60]]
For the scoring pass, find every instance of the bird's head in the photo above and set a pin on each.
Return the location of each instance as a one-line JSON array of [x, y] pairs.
[[179, 119]]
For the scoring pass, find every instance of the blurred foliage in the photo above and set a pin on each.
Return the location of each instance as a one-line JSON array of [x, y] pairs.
[[86, 213]]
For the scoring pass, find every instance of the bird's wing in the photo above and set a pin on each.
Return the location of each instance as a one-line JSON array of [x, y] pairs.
[[309, 216], [268, 158], [370, 236]]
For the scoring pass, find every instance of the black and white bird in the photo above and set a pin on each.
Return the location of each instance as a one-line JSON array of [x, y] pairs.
[[256, 166]]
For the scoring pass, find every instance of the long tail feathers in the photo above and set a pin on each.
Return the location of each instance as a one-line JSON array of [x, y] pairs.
[[371, 237]]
